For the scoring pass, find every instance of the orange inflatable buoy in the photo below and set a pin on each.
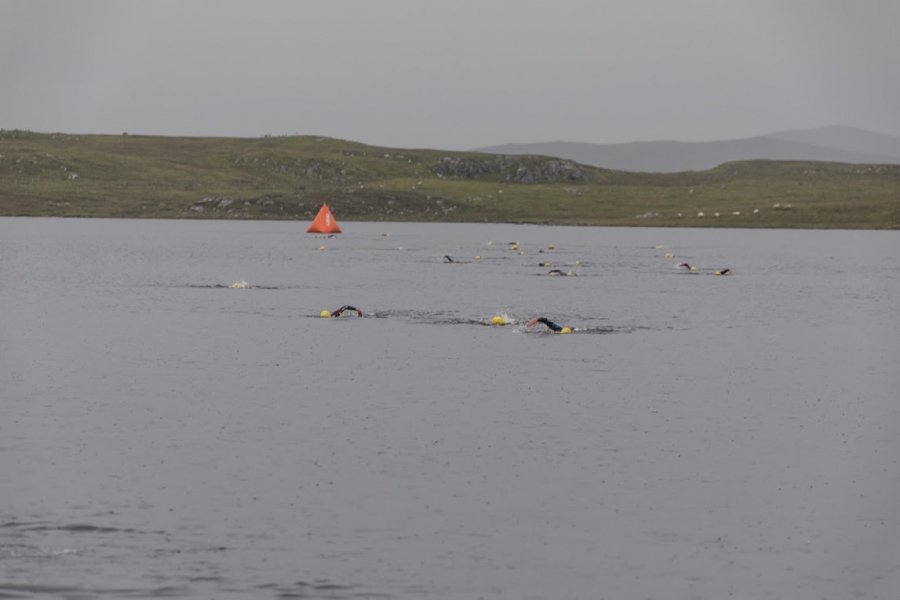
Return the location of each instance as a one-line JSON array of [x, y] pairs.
[[324, 222]]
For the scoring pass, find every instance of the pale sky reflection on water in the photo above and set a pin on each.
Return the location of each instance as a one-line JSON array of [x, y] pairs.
[[165, 434]]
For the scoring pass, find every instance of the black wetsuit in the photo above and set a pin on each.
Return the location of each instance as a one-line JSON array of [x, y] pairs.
[[549, 324], [338, 312]]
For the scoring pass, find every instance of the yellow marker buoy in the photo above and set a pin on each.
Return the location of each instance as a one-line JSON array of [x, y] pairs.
[[565, 330], [498, 320], [324, 313]]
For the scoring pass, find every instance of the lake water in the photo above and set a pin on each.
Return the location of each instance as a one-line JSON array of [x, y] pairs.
[[697, 436]]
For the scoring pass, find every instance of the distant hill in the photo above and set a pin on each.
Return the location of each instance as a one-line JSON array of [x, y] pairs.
[[836, 143], [133, 176], [840, 137]]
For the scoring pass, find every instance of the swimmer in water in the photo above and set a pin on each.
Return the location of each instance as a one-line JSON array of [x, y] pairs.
[[553, 326], [346, 307], [685, 266], [724, 272], [448, 259], [557, 272]]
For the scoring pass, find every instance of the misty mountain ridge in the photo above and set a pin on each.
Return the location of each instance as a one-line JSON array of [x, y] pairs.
[[833, 143]]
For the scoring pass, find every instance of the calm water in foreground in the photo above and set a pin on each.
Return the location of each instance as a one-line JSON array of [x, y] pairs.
[[163, 435]]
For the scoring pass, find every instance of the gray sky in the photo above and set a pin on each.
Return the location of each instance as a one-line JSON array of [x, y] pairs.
[[451, 74]]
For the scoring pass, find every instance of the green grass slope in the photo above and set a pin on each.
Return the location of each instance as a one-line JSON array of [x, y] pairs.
[[290, 177]]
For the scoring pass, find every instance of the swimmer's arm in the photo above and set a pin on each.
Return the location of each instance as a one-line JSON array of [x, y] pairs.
[[341, 310]]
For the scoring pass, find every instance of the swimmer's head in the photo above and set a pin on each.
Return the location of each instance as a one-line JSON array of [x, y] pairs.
[[565, 330], [498, 320], [325, 313]]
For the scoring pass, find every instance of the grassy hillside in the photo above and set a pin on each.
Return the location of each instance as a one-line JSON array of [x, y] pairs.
[[290, 177]]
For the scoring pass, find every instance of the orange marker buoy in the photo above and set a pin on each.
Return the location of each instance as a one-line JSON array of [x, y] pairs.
[[324, 222]]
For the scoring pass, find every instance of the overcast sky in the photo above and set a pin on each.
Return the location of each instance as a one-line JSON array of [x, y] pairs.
[[451, 75]]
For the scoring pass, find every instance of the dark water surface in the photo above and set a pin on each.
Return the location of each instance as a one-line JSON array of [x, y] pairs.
[[163, 435]]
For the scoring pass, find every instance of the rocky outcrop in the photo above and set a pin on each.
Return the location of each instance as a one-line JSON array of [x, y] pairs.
[[551, 171], [472, 169], [514, 169]]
